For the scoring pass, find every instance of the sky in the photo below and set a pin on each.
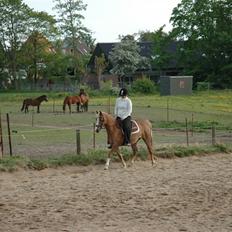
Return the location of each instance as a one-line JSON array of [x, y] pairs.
[[107, 19]]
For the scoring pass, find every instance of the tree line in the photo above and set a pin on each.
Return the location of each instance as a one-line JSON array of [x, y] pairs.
[[32, 41]]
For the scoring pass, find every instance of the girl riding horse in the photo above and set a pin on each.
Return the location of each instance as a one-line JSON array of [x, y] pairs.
[[143, 130]]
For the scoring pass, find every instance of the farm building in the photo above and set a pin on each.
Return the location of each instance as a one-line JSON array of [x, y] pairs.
[[176, 85], [146, 50]]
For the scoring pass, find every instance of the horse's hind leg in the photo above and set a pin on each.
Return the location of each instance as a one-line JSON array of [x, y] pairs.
[[135, 151], [148, 142]]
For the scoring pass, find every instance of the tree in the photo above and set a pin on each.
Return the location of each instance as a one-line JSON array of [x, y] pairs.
[[70, 24], [13, 29], [205, 28], [125, 58], [161, 40], [37, 47], [100, 65]]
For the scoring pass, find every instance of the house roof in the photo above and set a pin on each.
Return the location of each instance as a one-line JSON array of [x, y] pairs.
[[81, 46], [146, 50]]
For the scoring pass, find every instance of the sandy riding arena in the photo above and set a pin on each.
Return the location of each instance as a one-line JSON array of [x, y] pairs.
[[188, 194]]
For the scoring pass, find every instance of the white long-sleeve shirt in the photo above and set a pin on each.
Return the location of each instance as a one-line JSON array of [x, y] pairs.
[[123, 107]]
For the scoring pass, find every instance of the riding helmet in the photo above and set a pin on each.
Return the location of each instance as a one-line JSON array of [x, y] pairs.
[[123, 92]]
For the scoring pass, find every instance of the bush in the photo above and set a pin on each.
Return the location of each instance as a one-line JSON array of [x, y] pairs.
[[201, 86], [144, 85]]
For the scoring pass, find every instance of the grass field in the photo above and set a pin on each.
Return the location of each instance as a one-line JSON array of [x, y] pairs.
[[52, 132]]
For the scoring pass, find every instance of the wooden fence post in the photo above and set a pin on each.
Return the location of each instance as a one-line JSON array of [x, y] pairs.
[[213, 135], [9, 134], [78, 142], [94, 136], [1, 139], [186, 125], [192, 125]]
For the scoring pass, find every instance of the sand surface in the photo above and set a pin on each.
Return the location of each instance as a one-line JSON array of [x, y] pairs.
[[188, 194]]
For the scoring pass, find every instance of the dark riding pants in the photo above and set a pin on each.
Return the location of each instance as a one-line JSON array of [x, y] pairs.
[[126, 127]]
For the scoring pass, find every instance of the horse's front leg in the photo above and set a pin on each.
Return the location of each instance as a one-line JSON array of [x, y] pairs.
[[69, 106], [78, 107], [121, 158], [38, 109], [108, 160]]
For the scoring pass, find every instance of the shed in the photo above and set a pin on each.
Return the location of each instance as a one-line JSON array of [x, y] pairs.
[[176, 85]]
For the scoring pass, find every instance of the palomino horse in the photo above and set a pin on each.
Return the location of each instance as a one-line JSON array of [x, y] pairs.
[[33, 102], [140, 129], [69, 100]]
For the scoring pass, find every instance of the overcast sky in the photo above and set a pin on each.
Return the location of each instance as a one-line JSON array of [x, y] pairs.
[[108, 19]]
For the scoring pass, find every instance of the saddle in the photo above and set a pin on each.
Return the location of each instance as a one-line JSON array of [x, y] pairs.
[[134, 126]]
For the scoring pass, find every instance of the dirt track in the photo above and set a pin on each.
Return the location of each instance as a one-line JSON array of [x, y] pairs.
[[189, 194]]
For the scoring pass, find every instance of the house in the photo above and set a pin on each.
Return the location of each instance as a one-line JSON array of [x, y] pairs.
[[67, 47], [146, 50]]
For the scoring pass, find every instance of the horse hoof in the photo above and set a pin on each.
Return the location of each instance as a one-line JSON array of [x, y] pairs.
[[106, 168], [153, 163]]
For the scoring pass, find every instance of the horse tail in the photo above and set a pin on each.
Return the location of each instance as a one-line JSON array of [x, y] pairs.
[[23, 106]]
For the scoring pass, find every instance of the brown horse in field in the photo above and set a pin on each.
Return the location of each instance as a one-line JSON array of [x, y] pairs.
[[33, 102], [70, 100], [85, 102], [140, 129]]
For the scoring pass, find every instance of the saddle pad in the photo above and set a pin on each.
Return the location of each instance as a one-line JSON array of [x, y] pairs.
[[134, 127]]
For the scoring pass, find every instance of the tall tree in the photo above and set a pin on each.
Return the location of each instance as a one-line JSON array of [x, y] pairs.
[[162, 41], [125, 58], [70, 22], [205, 28], [35, 50], [14, 16]]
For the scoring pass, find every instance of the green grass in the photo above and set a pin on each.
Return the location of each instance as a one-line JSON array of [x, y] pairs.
[[10, 164], [39, 132]]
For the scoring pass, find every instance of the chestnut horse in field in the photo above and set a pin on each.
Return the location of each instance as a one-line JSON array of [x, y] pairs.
[[85, 102], [33, 102], [141, 129], [69, 100]]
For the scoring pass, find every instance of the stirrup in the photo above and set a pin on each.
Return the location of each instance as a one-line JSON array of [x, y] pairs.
[[109, 146]]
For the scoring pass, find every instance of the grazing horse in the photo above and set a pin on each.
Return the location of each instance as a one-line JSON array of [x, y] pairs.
[[69, 100], [33, 102], [140, 129]]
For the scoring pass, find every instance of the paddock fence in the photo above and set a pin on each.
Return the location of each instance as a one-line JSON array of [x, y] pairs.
[[53, 133]]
